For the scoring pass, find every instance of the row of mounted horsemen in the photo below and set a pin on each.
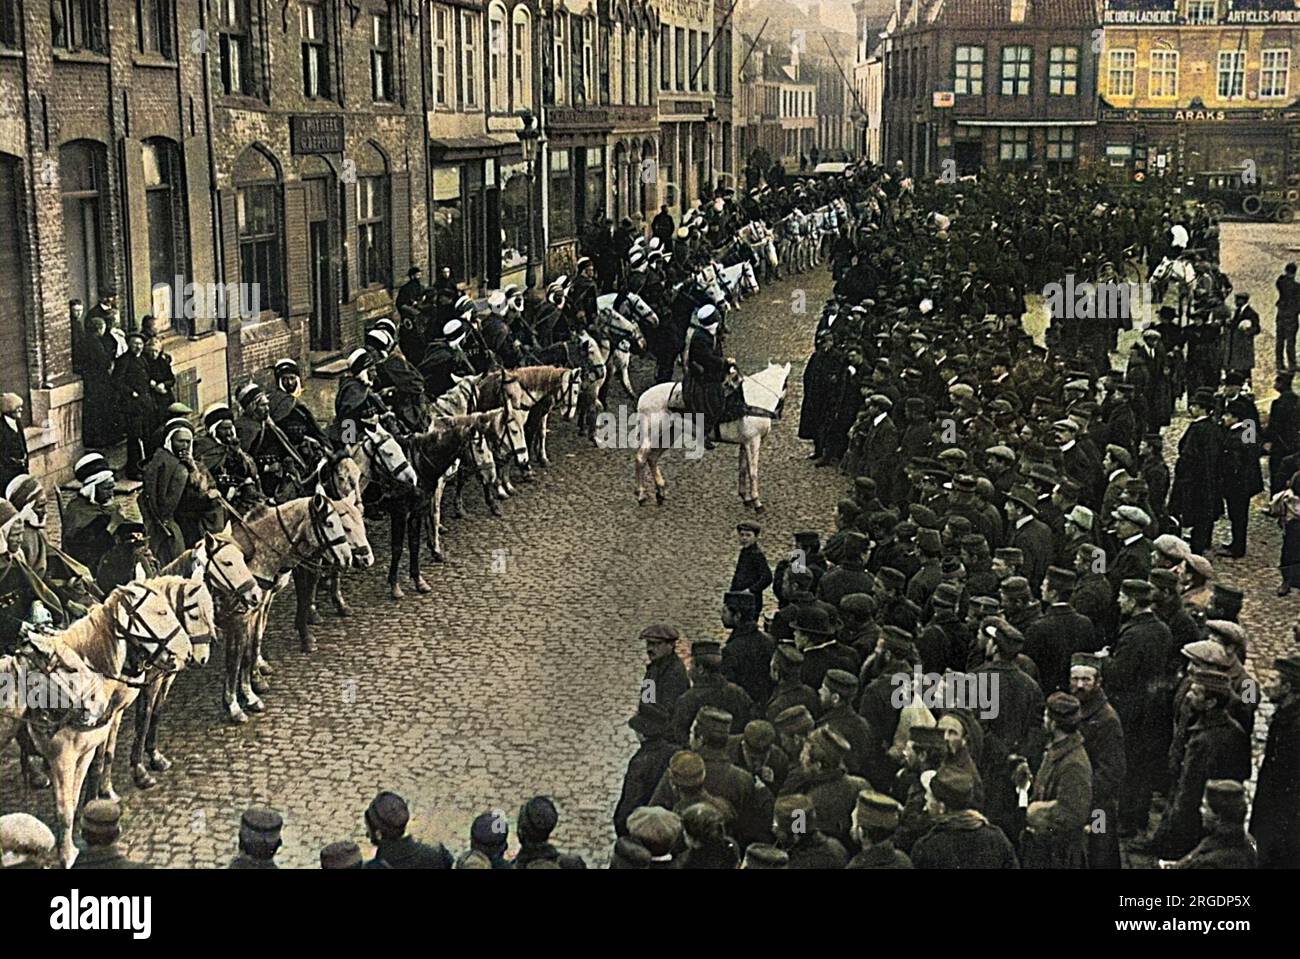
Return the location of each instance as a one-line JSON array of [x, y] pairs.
[[302, 522]]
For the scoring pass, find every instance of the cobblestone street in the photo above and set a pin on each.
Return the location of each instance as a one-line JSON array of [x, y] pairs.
[[514, 677]]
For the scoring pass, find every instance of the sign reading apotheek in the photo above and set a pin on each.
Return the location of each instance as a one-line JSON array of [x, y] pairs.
[[316, 133]]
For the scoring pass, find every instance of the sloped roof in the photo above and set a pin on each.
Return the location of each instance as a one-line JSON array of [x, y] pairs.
[[994, 13]]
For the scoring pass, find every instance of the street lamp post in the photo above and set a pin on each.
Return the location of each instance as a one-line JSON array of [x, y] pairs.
[[528, 136]]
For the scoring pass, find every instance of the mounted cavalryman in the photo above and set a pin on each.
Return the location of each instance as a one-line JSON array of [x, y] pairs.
[[706, 372]]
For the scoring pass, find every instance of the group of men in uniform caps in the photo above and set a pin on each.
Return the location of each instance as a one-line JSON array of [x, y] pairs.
[[27, 843], [808, 743], [1013, 527]]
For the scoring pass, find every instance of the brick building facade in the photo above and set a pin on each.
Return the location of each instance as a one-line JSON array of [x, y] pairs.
[[317, 138], [103, 186], [1006, 85], [1201, 85]]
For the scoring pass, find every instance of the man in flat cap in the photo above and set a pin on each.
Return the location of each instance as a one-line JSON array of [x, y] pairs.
[[960, 837], [1103, 738], [657, 832], [1217, 748], [753, 574], [653, 727], [875, 820], [1133, 550], [880, 448], [886, 671], [1061, 802], [747, 653], [1225, 844], [795, 828], [789, 689], [709, 687], [537, 820], [1142, 649], [1275, 817], [259, 839], [100, 829], [665, 674], [386, 821]]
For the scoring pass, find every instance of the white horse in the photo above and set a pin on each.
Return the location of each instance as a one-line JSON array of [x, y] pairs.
[[620, 334], [661, 425]]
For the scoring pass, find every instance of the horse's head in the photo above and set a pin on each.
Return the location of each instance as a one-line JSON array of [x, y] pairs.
[[147, 624], [571, 391], [192, 604], [384, 451], [512, 433], [329, 530], [221, 564], [355, 547]]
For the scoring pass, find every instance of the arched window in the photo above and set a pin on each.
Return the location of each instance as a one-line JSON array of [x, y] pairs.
[[521, 58], [83, 178], [167, 218], [498, 60], [259, 220], [374, 226]]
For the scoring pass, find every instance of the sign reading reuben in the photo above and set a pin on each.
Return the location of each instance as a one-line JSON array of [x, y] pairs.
[[316, 133]]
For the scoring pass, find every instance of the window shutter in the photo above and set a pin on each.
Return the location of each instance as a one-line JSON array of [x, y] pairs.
[[399, 217], [297, 269]]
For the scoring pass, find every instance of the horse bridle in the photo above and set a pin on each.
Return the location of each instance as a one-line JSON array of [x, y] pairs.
[[189, 606], [135, 641], [319, 524], [240, 591]]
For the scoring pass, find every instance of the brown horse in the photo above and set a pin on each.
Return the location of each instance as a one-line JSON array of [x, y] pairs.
[[123, 639], [280, 543], [434, 453], [543, 387]]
